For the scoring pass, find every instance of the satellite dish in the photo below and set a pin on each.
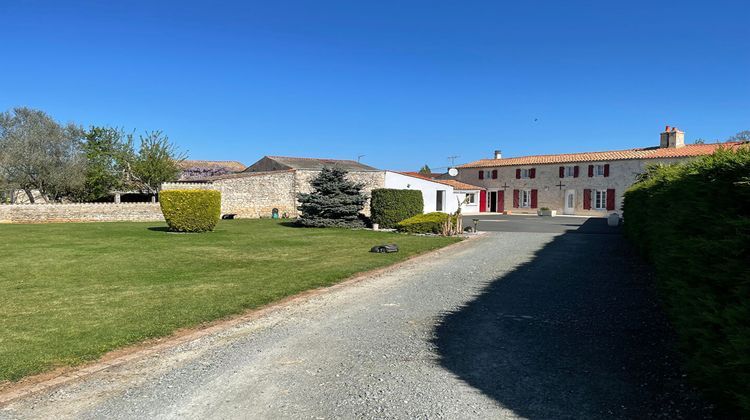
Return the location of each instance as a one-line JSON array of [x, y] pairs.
[[452, 171]]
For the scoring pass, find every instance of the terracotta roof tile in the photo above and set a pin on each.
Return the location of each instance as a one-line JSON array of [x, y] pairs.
[[643, 153]]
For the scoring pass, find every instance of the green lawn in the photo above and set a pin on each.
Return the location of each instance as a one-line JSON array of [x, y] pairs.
[[71, 292]]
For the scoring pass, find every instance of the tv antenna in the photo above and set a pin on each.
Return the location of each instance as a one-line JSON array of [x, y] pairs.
[[360, 157], [453, 159]]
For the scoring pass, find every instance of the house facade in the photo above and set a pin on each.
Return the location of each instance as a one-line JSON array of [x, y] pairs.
[[591, 184]]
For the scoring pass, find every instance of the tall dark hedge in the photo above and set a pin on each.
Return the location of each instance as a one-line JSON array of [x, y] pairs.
[[390, 206], [191, 210], [334, 202], [693, 222]]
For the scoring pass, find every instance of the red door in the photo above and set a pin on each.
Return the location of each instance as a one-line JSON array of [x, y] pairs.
[[482, 201], [500, 201]]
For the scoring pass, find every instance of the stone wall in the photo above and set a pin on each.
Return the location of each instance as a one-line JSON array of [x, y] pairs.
[[621, 176], [256, 194], [250, 194], [86, 212]]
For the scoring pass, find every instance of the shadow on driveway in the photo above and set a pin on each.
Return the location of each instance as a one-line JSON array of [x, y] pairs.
[[574, 333]]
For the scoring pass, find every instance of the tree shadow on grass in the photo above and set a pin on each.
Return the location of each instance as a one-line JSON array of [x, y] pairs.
[[577, 332]]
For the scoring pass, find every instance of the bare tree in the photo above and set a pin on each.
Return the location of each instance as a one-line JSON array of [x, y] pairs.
[[37, 153], [743, 135]]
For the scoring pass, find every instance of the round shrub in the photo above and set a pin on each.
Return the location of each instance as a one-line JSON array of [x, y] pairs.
[[191, 210], [390, 206], [423, 223]]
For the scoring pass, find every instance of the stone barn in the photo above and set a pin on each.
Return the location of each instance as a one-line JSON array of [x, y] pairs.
[[273, 182]]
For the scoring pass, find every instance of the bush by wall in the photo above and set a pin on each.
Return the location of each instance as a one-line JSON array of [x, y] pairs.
[[693, 222], [423, 223], [191, 210], [389, 206]]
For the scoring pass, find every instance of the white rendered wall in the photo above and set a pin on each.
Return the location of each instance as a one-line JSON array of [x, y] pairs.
[[429, 190]]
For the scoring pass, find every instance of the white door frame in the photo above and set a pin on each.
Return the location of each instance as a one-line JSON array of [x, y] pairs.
[[569, 209]]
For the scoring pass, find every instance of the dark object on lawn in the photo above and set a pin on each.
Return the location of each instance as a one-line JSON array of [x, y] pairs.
[[228, 216], [388, 248]]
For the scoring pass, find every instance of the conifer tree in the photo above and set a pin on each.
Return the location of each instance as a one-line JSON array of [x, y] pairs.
[[334, 201]]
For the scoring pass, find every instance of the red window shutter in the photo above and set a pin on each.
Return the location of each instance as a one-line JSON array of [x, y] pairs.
[[587, 199], [515, 199], [532, 173], [533, 199], [494, 174], [562, 172], [576, 171], [591, 171], [482, 201], [481, 174], [610, 199], [606, 169], [518, 173]]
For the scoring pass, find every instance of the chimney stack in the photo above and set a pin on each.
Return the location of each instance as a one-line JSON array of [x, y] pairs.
[[498, 154], [672, 138]]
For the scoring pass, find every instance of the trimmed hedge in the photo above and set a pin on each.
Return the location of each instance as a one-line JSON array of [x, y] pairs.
[[191, 210], [692, 222], [390, 206], [423, 223]]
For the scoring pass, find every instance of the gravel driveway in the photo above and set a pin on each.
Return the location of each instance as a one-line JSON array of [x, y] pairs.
[[530, 325]]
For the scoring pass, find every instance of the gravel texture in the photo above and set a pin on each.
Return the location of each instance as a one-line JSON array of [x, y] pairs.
[[511, 325]]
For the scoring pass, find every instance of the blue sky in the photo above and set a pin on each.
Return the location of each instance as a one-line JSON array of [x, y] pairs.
[[403, 82]]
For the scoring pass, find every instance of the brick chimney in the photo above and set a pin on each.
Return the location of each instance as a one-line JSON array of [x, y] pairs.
[[672, 138], [498, 154]]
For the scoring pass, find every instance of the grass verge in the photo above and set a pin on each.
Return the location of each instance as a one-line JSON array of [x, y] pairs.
[[72, 292]]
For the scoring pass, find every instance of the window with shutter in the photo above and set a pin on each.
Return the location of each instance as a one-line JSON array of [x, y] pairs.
[[610, 199], [562, 172], [518, 173], [591, 171], [515, 198], [532, 173], [576, 171], [606, 169], [481, 174], [494, 174]]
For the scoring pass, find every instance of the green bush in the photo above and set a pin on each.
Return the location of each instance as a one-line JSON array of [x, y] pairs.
[[423, 223], [389, 206], [191, 210], [693, 222]]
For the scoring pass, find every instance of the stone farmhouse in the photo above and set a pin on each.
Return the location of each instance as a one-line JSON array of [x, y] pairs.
[[273, 182], [591, 183]]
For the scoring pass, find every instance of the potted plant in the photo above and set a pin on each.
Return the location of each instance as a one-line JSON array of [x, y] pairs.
[[546, 211]]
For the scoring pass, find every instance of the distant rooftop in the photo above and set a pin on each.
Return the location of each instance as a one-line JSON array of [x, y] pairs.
[[200, 169], [274, 163]]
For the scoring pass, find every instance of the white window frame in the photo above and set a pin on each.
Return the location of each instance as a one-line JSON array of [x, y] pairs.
[[471, 198], [524, 199], [598, 170], [525, 173], [570, 172], [600, 200]]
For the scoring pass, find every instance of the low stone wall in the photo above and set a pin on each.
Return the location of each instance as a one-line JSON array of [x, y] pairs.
[[250, 195], [80, 212]]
